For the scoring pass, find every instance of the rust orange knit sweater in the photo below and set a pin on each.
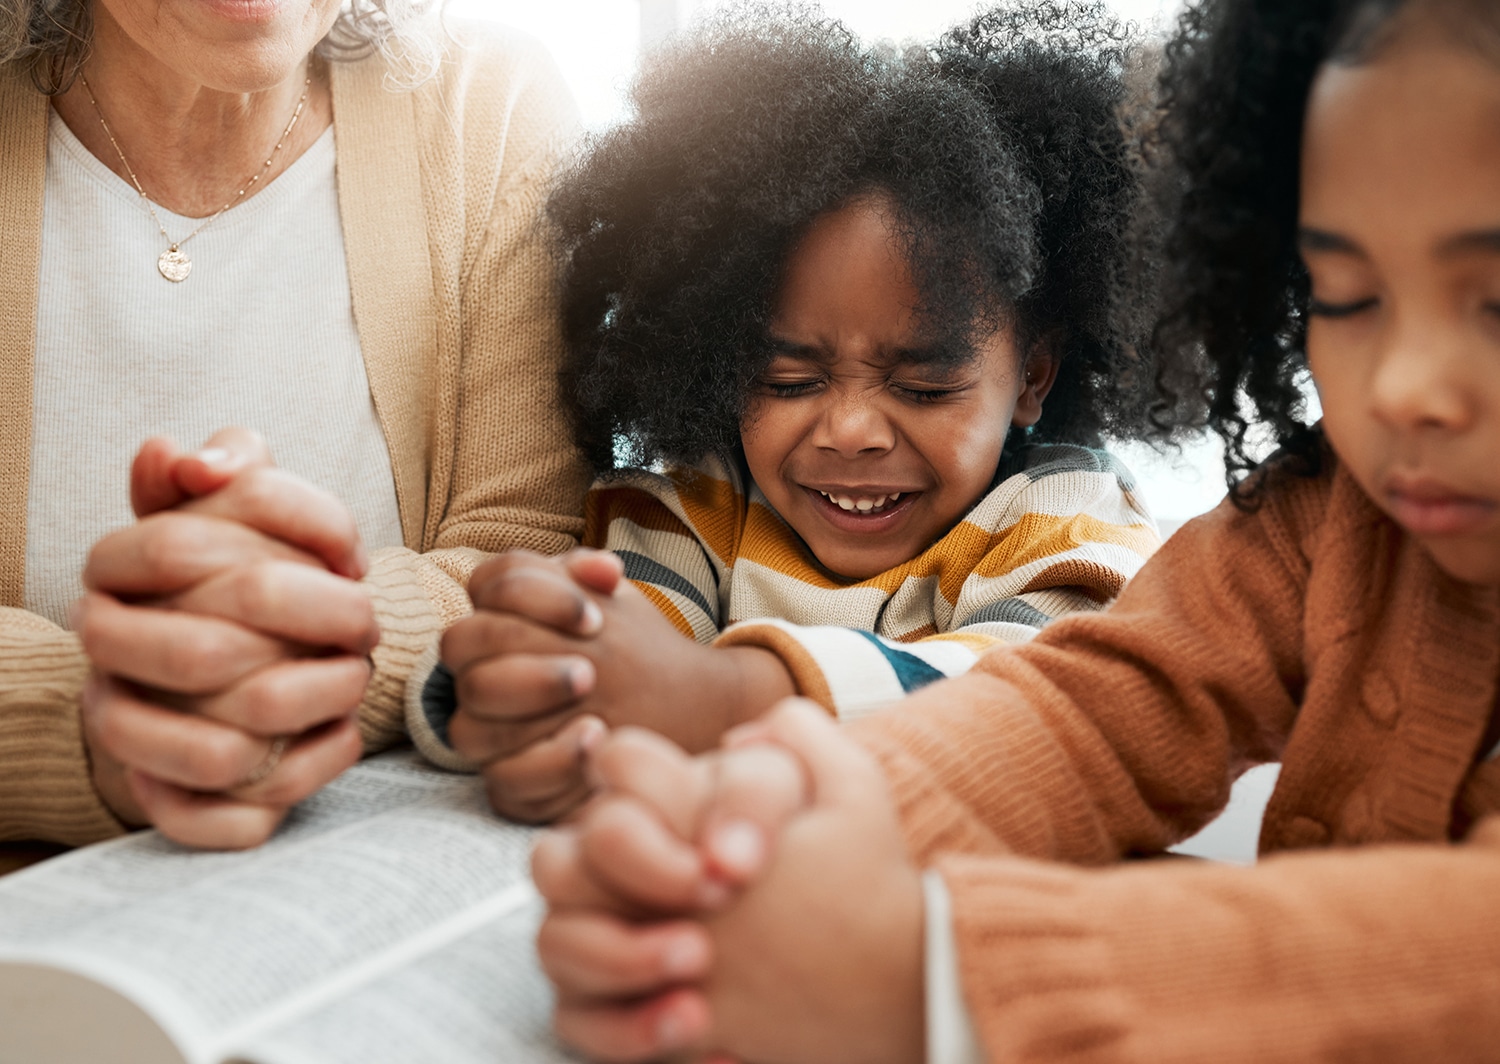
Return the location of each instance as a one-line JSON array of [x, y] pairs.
[[1313, 632]]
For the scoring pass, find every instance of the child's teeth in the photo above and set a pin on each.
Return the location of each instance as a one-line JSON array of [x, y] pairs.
[[864, 506]]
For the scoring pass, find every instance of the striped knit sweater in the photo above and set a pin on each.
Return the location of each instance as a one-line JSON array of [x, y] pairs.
[[1061, 531]]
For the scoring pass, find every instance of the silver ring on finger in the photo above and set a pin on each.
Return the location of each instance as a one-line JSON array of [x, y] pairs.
[[268, 765]]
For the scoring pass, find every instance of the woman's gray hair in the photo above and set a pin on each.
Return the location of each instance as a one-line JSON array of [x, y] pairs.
[[54, 36]]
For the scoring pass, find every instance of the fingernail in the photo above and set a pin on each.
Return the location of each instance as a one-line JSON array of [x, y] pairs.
[[668, 1031], [738, 847], [592, 620], [713, 895], [590, 734], [580, 676], [216, 457], [683, 958]]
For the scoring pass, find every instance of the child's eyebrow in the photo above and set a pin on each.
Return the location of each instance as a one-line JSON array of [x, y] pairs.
[[1310, 239], [796, 350], [1483, 241]]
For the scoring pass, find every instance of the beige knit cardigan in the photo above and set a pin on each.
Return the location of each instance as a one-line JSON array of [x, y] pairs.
[[1313, 632], [455, 303]]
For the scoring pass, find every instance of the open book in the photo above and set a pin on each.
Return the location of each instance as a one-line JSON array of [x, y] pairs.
[[391, 919]]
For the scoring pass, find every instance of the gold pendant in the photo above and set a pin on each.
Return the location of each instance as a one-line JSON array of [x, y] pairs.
[[174, 265]]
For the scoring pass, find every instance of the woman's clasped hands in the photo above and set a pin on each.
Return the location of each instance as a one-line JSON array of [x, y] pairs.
[[756, 904], [229, 639]]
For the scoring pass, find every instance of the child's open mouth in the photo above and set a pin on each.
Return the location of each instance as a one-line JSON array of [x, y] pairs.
[[862, 511]]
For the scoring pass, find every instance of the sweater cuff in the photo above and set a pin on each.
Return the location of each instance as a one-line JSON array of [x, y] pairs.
[[46, 787], [431, 702], [408, 613], [950, 1028], [849, 672]]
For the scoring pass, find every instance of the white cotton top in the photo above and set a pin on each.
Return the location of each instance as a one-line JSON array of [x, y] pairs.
[[261, 334]]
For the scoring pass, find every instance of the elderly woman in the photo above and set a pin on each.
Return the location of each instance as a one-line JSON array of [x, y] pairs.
[[311, 219]]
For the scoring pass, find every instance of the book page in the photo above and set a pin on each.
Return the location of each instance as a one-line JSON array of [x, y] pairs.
[[210, 943], [481, 998]]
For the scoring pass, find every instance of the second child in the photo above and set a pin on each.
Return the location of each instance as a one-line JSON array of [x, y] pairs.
[[851, 316]]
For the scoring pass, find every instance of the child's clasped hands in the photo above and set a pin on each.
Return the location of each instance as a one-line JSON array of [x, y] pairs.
[[558, 650], [639, 891]]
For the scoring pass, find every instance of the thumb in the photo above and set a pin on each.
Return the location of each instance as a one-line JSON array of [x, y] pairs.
[[839, 770], [227, 452], [756, 789], [598, 570], [152, 486]]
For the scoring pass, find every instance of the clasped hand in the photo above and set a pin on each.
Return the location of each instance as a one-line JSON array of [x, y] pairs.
[[753, 904], [559, 650], [229, 639]]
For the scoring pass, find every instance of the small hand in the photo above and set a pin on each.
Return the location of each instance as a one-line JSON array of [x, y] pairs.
[[818, 958], [230, 644], [547, 661]]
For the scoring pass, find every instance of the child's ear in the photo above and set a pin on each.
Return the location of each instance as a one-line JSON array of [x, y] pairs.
[[1038, 375]]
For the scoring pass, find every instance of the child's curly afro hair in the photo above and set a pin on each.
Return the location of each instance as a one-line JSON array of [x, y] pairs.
[[1235, 88], [1001, 148]]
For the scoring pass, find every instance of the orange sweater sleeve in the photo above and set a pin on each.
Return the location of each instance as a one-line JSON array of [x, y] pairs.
[[1119, 732], [1389, 953]]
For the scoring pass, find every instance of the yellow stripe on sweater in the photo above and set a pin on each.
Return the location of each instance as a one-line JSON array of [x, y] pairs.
[[667, 607], [714, 508]]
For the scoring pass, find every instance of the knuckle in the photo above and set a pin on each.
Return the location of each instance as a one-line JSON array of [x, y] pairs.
[[511, 806], [105, 717], [259, 487], [199, 659], [168, 539], [251, 828], [488, 687], [489, 576], [219, 761], [258, 589], [347, 690]]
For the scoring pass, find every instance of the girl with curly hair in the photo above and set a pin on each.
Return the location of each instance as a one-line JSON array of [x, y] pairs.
[[1338, 163], [853, 314]]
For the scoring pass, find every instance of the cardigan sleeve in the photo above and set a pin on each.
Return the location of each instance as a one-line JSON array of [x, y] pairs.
[[1118, 732], [518, 481], [45, 788], [1061, 535], [1387, 953]]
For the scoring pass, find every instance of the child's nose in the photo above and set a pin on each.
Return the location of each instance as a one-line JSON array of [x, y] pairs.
[[852, 424], [1419, 384]]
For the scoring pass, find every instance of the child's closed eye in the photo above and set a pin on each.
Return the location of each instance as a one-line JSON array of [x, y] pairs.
[[790, 389], [926, 394], [1323, 309]]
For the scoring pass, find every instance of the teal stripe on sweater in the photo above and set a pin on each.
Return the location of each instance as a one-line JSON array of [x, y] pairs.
[[911, 670]]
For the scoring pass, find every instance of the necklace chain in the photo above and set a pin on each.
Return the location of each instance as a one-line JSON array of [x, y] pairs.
[[174, 265]]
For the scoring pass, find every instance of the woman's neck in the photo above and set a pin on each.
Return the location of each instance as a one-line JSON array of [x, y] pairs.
[[191, 146]]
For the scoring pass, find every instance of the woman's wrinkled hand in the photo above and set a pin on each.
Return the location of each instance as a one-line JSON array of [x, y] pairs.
[[230, 644]]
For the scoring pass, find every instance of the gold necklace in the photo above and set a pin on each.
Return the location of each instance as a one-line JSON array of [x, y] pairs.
[[173, 264]]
